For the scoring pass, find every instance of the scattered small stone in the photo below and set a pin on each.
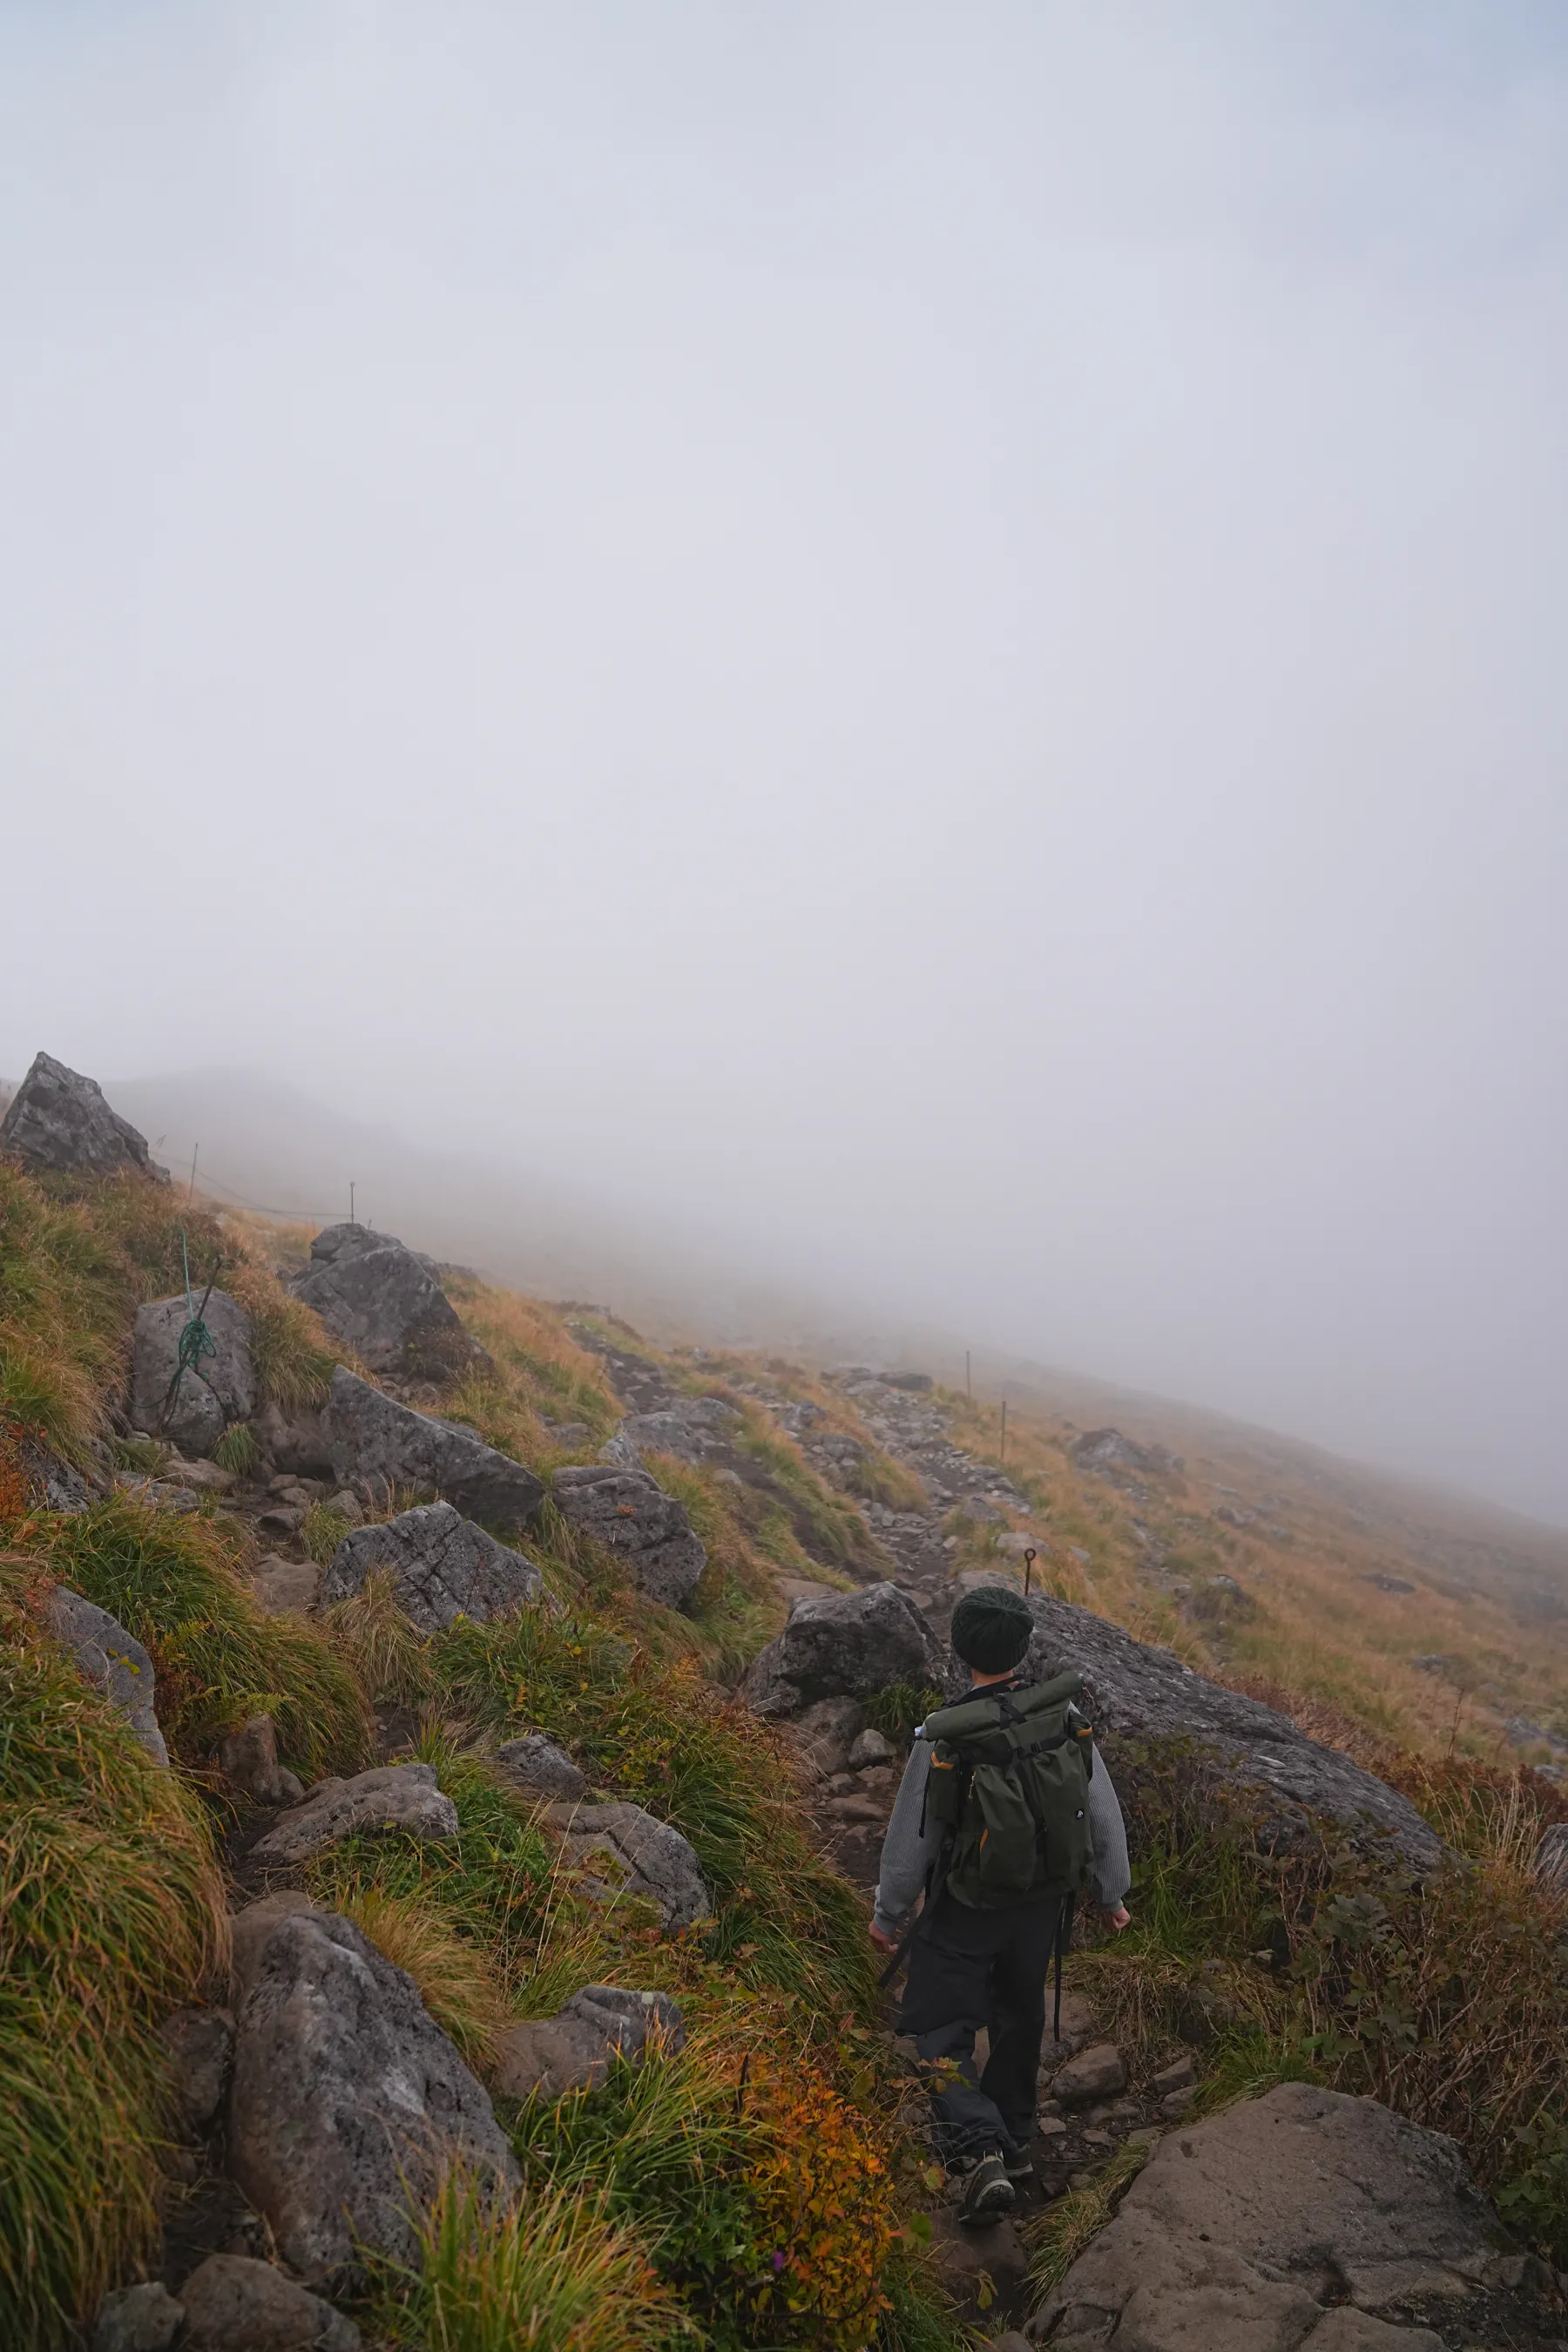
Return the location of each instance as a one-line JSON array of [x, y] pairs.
[[347, 1505], [572, 2051], [536, 1764], [1174, 2078], [280, 1519], [144, 2318], [248, 1758], [1176, 2102], [1098, 2072], [233, 2304], [282, 1586], [870, 1747]]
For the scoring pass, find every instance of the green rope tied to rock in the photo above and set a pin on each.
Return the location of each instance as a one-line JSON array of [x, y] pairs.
[[196, 1341]]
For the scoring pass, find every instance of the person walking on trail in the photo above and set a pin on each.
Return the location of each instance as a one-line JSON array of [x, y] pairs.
[[1005, 1818]]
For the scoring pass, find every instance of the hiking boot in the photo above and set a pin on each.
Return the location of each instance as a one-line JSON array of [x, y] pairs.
[[987, 2192], [1019, 2166]]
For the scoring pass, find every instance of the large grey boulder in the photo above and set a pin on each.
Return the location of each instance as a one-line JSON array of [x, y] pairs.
[[403, 1796], [443, 1568], [629, 1512], [621, 1848], [220, 1388], [1242, 2230], [693, 1429], [111, 1659], [59, 1120], [849, 1646], [572, 2051], [372, 1436], [233, 2304], [385, 1301], [1138, 1692], [346, 2098]]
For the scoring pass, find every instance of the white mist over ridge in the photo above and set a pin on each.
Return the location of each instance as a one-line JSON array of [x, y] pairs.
[[902, 660]]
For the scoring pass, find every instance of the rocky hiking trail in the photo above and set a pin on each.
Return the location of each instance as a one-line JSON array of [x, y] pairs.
[[423, 1621]]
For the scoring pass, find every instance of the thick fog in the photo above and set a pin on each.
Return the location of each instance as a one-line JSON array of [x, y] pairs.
[[923, 647]]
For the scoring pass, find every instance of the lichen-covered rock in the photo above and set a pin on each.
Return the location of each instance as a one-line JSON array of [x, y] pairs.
[[535, 1764], [109, 1658], [248, 1758], [371, 1437], [198, 2042], [1241, 2229], [59, 1120], [693, 1429], [345, 2097], [850, 1646], [443, 1568], [1138, 1692], [572, 2051], [403, 1796], [220, 1388], [645, 1856], [629, 1512], [233, 2304], [385, 1302]]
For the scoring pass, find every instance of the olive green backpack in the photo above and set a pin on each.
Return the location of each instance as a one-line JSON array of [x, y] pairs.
[[1008, 1787]]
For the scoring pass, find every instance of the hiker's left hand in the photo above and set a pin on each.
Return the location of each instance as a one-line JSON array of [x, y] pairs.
[[883, 1943]]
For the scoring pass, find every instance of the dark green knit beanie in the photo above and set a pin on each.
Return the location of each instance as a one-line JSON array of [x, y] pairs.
[[990, 1628]]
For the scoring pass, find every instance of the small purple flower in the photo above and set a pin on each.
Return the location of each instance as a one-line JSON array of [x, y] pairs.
[[778, 2263]]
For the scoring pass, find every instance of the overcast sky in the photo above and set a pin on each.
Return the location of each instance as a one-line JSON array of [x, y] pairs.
[[930, 641]]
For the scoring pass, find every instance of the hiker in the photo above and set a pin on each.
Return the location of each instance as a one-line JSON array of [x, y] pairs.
[[1004, 1815]]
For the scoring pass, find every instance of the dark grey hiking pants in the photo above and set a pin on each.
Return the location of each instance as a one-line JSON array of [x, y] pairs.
[[974, 1968]]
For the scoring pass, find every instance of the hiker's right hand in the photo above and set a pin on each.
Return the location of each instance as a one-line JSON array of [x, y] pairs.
[[1118, 1918], [883, 1943]]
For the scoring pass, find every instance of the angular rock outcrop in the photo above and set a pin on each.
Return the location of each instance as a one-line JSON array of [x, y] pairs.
[[1241, 2229], [628, 1511], [850, 1646], [1135, 1691], [536, 1765], [233, 2304], [59, 1120], [572, 2051], [248, 1758], [385, 1301], [1106, 1452], [370, 1436], [220, 1388], [694, 1429], [345, 2097], [392, 1797], [646, 1856], [109, 1658], [443, 1568]]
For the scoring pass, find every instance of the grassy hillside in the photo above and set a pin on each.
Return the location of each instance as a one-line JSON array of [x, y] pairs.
[[750, 2190]]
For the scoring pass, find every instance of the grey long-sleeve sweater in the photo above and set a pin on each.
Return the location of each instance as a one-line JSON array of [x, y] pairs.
[[907, 1855]]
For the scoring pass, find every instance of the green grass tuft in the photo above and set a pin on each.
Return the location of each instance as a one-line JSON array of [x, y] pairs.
[[172, 1580], [111, 1912]]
